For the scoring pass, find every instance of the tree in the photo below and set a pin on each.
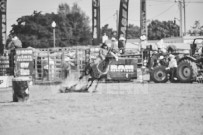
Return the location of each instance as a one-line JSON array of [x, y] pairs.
[[158, 30], [196, 30], [64, 8], [34, 30], [133, 31], [79, 23], [72, 28], [107, 30]]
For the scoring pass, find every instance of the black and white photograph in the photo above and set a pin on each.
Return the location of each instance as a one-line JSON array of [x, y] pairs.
[[101, 67]]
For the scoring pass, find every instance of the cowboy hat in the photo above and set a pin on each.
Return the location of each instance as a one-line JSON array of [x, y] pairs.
[[122, 38], [113, 39], [171, 56], [15, 38], [161, 57]]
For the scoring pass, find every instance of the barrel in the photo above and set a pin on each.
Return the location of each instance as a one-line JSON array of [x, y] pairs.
[[20, 89]]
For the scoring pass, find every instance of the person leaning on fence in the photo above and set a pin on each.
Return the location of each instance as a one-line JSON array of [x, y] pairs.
[[15, 43], [172, 67], [12, 45]]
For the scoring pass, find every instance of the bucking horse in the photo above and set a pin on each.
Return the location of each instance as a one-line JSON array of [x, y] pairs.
[[95, 71]]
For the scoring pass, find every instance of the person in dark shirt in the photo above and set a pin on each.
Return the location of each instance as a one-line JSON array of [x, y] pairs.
[[121, 45], [153, 60], [12, 45], [15, 43], [162, 61]]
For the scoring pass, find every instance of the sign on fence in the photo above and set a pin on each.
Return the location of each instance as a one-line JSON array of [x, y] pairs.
[[24, 62], [4, 65], [123, 69]]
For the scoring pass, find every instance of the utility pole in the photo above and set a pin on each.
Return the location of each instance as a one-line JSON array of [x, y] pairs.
[[143, 19], [117, 16], [181, 16], [184, 10]]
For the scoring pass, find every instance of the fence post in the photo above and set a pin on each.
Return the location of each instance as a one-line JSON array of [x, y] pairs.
[[48, 67], [36, 70]]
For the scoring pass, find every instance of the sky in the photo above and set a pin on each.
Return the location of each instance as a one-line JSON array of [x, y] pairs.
[[162, 10]]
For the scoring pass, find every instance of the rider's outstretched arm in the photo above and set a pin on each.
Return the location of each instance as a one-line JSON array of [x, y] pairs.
[[114, 55]]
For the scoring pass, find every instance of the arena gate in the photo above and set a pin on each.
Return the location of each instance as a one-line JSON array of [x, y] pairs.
[[55, 64]]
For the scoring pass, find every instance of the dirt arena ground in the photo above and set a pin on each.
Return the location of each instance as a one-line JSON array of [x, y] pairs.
[[115, 109]]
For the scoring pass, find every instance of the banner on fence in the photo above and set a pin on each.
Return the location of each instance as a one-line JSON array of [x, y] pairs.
[[24, 65], [4, 65]]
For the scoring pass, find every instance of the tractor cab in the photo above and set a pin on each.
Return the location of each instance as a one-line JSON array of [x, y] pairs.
[[196, 47]]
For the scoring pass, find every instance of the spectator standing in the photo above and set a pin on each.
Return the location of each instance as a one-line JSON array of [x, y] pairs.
[[15, 43], [122, 45], [114, 44], [172, 67], [12, 45], [153, 61], [104, 38], [143, 42], [160, 45], [162, 61]]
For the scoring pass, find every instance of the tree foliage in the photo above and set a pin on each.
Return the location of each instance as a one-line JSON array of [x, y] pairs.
[[72, 28], [107, 30], [133, 31], [196, 30], [158, 30]]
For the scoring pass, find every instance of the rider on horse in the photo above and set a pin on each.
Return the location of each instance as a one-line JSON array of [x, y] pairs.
[[96, 70]]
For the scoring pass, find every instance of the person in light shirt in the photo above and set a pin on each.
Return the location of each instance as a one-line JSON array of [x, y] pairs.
[[104, 38], [114, 44], [143, 42], [200, 52], [172, 67]]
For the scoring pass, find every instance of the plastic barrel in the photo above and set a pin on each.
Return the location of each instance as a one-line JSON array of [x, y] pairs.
[[20, 89]]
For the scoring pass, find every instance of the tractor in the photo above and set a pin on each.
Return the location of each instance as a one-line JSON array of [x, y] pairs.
[[190, 67]]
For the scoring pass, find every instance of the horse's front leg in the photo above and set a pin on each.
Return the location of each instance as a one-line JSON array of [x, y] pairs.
[[95, 88], [91, 80]]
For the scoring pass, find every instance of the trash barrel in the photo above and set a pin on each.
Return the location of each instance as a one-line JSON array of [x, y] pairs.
[[20, 89]]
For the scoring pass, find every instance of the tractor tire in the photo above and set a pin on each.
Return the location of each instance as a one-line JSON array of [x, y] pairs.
[[187, 71], [159, 74]]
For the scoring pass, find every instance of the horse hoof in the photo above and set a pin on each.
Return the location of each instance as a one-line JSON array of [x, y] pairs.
[[62, 90]]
